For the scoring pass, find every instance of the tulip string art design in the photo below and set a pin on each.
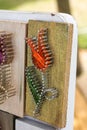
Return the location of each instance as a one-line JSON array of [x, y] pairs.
[[42, 60]]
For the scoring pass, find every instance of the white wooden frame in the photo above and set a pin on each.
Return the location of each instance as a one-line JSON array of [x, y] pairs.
[[21, 16]]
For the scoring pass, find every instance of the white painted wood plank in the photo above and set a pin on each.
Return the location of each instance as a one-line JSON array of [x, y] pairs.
[[15, 104], [26, 124], [72, 81]]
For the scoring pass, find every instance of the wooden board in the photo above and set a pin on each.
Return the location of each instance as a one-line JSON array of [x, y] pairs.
[[60, 41], [15, 104], [6, 121]]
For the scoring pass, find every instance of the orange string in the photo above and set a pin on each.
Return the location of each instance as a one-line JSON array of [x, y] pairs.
[[39, 60]]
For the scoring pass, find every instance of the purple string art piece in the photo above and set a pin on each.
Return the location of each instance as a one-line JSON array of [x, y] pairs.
[[6, 56], [2, 50]]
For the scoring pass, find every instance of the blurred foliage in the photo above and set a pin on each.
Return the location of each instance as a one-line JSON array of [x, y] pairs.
[[51, 6], [10, 4], [83, 41], [29, 5]]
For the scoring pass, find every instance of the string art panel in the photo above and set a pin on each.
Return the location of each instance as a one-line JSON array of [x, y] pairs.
[[7, 89], [12, 62], [49, 46]]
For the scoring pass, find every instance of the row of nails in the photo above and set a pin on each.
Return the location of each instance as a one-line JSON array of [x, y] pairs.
[[7, 94], [45, 46], [5, 76], [35, 87], [6, 50], [6, 56], [39, 96], [41, 43]]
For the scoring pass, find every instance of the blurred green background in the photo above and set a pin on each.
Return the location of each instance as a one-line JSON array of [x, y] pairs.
[[78, 10]]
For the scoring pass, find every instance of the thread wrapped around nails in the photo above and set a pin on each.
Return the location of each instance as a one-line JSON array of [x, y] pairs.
[[35, 87], [6, 88], [2, 50], [6, 50], [6, 56], [42, 59], [41, 53]]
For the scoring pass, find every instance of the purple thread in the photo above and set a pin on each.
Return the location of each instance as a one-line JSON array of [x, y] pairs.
[[2, 52]]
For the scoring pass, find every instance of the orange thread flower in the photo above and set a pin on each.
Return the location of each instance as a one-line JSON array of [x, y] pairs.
[[41, 54]]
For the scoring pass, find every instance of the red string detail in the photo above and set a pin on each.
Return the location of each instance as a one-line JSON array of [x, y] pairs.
[[41, 56]]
